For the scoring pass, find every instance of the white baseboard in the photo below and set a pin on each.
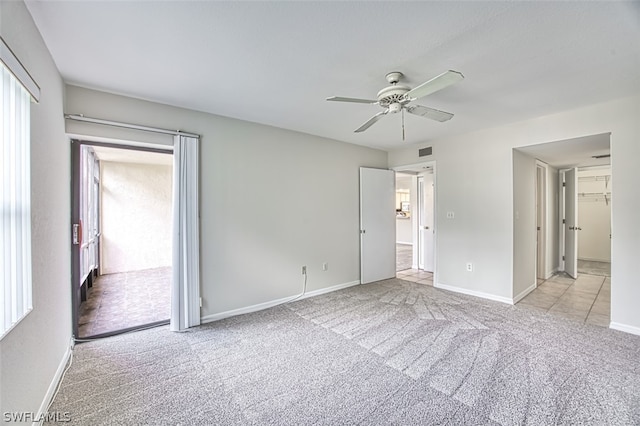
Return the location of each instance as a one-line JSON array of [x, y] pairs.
[[404, 243], [523, 294], [550, 273], [592, 259], [328, 289], [272, 303], [48, 397], [474, 293], [626, 328]]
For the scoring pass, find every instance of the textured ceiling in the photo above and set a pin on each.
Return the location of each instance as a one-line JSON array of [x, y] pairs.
[[276, 62]]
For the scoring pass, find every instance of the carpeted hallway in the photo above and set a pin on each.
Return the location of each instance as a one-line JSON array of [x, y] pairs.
[[392, 352]]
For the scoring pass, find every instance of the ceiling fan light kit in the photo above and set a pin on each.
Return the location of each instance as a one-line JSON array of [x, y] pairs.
[[398, 97]]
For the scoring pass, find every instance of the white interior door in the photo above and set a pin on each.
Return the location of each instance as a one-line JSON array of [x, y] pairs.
[[571, 222], [428, 220], [377, 225]]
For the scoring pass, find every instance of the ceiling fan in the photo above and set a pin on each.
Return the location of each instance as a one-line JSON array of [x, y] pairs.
[[398, 98]]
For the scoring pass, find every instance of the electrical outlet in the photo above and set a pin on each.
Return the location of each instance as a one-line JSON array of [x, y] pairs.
[[304, 270], [325, 266], [450, 215], [469, 267]]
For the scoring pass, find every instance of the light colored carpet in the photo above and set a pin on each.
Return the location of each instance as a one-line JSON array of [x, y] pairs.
[[392, 352]]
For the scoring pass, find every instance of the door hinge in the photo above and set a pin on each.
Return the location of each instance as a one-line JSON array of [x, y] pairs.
[[564, 184], [76, 233], [562, 257], [564, 220]]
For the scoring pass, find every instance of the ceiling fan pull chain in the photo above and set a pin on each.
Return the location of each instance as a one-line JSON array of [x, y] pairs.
[[403, 124]]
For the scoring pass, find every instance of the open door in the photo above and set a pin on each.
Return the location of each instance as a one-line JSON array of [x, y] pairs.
[[377, 225], [84, 224], [571, 222]]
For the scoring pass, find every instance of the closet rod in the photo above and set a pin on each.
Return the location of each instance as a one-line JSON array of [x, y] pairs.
[[80, 117]]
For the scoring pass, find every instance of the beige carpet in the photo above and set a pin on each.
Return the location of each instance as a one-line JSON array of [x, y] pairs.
[[393, 352]]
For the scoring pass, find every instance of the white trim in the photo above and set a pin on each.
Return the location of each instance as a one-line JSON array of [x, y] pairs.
[[524, 293], [625, 328], [590, 259], [550, 273], [474, 293], [328, 289], [18, 70], [18, 321], [272, 303], [55, 382], [81, 117]]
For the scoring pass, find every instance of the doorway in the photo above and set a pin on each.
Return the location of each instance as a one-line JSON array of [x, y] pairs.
[[403, 222], [572, 181], [122, 252], [594, 210], [415, 221]]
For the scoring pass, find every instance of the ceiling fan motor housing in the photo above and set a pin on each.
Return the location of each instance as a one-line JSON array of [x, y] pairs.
[[392, 95]]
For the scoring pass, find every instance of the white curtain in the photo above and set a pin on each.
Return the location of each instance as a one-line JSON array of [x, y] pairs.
[[185, 297], [15, 199]]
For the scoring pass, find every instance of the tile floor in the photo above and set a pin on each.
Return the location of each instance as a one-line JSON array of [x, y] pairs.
[[416, 275], [130, 299], [586, 299], [594, 268]]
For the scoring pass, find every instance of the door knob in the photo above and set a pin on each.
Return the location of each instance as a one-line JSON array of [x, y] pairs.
[[572, 228]]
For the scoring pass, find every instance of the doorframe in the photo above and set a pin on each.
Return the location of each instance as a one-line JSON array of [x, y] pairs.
[[416, 168], [561, 208], [419, 209], [74, 216], [541, 219]]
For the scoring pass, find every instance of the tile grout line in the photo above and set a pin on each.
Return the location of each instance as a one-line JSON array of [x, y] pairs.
[[604, 278], [563, 293]]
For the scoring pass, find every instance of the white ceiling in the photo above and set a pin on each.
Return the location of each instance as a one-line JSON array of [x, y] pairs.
[[577, 152], [276, 62]]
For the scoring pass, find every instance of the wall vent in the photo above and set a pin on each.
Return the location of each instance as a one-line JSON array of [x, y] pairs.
[[425, 151]]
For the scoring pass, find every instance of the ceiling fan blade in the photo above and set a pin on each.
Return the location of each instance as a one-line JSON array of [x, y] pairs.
[[431, 113], [355, 100], [445, 79], [371, 121]]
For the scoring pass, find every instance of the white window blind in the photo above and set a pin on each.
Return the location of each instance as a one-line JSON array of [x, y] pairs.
[[15, 196]]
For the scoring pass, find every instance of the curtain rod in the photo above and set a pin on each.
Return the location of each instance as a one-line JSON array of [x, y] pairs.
[[80, 117]]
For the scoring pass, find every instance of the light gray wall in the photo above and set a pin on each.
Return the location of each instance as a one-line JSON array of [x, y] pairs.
[[403, 231], [272, 200], [474, 179], [136, 216], [32, 352]]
